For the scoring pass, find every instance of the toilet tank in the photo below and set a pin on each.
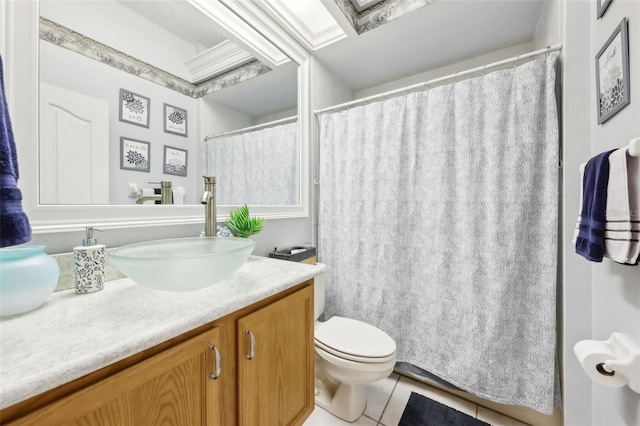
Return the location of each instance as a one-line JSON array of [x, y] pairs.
[[318, 295]]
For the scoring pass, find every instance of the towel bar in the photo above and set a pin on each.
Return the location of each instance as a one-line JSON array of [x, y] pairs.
[[634, 147]]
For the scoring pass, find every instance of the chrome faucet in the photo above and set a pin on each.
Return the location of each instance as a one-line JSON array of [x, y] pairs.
[[209, 199], [165, 197]]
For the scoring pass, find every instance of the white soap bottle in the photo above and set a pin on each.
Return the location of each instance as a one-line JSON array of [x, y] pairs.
[[89, 259]]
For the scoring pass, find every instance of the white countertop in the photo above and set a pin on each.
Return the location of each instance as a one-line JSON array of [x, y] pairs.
[[72, 335]]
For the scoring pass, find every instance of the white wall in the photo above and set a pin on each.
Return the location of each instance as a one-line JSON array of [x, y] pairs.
[[327, 89], [449, 69], [615, 288], [599, 298], [217, 118], [70, 70], [119, 27], [575, 136], [275, 116], [550, 28]]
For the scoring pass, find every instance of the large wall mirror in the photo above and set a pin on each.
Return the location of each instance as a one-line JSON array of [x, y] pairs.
[[132, 92], [130, 89]]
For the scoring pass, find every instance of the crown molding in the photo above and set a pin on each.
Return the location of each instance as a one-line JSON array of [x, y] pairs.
[[344, 14], [217, 60], [385, 12], [361, 5], [237, 30], [380, 13], [312, 40], [259, 20]]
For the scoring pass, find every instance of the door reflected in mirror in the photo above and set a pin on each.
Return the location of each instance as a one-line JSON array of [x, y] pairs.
[[160, 74]]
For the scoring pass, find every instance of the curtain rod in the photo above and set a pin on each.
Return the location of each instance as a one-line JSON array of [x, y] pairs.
[[252, 128], [368, 99]]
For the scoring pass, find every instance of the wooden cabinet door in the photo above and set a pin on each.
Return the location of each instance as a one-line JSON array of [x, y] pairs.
[[276, 379], [173, 387]]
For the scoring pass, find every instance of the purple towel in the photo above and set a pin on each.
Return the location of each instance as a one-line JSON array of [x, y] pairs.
[[14, 224], [593, 218]]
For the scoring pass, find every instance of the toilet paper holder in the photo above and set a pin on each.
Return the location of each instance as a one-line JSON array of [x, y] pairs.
[[624, 364]]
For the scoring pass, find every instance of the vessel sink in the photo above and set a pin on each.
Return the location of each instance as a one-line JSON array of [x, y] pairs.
[[182, 264]]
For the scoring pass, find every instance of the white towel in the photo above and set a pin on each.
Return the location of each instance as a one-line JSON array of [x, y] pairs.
[[633, 172], [621, 232]]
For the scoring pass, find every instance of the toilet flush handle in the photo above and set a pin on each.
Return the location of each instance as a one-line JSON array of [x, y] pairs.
[[252, 345]]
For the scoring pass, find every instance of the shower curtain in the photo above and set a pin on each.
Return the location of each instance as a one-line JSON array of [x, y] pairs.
[[258, 167], [438, 215]]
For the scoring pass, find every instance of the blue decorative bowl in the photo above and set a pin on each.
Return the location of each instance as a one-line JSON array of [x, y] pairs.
[[28, 276]]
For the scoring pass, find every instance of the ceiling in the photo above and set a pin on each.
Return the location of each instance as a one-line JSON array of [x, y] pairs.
[[263, 95], [179, 18], [444, 32], [406, 38], [365, 43]]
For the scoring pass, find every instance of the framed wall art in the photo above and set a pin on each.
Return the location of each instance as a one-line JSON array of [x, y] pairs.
[[135, 155], [612, 74], [175, 161], [175, 120], [134, 108], [602, 6]]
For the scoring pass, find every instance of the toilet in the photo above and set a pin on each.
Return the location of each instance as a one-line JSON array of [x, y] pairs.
[[349, 354]]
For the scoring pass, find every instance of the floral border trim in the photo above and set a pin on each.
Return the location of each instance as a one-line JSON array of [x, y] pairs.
[[380, 13], [348, 11], [76, 42], [231, 78]]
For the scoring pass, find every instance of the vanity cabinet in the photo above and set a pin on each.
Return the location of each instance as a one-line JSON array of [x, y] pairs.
[[219, 374], [168, 388], [275, 369]]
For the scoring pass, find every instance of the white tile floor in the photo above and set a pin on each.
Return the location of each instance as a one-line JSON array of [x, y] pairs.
[[386, 400]]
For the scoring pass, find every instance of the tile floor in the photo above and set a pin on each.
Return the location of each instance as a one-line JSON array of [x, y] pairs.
[[387, 399]]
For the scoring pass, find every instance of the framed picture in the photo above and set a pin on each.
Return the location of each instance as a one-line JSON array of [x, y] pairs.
[[175, 120], [134, 155], [134, 108], [602, 7], [612, 74], [175, 161]]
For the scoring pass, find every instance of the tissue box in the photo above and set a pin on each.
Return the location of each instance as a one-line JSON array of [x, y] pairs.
[[296, 254]]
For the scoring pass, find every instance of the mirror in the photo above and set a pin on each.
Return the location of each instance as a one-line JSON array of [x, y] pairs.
[[129, 90]]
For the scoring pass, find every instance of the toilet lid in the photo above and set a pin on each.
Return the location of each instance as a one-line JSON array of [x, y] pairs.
[[354, 338]]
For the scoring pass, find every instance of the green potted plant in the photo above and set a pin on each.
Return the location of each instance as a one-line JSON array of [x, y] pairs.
[[242, 225]]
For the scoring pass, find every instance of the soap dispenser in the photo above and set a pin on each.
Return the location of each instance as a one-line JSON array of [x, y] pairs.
[[89, 259]]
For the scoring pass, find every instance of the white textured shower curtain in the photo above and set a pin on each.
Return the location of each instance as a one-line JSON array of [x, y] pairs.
[[438, 216], [260, 167]]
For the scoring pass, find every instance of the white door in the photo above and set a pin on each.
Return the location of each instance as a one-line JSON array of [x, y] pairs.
[[74, 147]]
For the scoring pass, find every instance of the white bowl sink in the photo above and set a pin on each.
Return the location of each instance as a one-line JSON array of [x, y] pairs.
[[182, 264]]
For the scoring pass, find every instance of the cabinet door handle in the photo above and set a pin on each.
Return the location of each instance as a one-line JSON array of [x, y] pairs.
[[216, 372], [252, 345]]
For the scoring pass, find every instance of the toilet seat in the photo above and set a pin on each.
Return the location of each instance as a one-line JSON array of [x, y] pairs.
[[355, 341]]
